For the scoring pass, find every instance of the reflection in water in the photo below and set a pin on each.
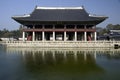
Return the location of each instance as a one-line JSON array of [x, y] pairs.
[[67, 61], [64, 64]]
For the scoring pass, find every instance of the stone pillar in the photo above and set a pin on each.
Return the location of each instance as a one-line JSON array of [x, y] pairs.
[[43, 36], [33, 36], [23, 36], [95, 36], [64, 35], [75, 36], [85, 36], [75, 33], [53, 35], [43, 33]]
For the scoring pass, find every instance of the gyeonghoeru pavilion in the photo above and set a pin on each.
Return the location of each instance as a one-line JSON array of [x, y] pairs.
[[59, 24]]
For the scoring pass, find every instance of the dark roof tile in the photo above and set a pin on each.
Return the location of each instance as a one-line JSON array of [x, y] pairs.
[[59, 14]]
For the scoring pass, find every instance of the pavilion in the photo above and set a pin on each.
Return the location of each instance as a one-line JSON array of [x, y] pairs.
[[59, 24]]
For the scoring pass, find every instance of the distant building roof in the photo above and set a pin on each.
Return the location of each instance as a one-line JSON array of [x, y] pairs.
[[115, 31], [59, 14]]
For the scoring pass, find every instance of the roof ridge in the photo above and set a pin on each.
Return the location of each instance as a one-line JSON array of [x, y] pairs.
[[59, 7]]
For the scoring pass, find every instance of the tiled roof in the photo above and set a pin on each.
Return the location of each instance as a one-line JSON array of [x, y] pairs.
[[56, 14]]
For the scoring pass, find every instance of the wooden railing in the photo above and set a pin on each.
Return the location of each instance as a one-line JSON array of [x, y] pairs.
[[60, 30]]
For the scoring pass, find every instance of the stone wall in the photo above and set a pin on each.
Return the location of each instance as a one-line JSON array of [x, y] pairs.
[[61, 44]]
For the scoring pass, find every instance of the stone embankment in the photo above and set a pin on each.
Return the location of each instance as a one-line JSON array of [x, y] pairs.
[[61, 44]]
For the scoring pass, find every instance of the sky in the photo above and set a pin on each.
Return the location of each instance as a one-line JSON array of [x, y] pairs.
[[9, 8]]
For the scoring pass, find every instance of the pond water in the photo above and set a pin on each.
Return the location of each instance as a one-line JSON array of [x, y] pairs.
[[59, 64]]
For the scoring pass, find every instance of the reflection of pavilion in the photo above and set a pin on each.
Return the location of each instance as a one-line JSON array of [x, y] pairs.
[[63, 60], [62, 55], [65, 53], [66, 61]]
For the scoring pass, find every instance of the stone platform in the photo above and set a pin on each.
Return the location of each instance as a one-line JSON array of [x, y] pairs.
[[60, 44]]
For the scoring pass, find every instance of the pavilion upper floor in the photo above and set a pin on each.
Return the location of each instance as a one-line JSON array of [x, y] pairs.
[[60, 27]]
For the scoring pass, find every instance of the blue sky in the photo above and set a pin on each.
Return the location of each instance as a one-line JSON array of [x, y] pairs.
[[9, 8]]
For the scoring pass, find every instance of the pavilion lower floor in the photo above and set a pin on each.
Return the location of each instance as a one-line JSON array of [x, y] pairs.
[[59, 36]]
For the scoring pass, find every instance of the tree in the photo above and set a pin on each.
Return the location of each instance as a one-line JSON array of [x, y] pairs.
[[109, 27], [14, 33], [113, 27], [102, 31]]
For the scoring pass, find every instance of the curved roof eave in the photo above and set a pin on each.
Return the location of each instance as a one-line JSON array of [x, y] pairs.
[[54, 22]]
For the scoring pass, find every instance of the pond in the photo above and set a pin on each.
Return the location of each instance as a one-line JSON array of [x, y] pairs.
[[59, 64]]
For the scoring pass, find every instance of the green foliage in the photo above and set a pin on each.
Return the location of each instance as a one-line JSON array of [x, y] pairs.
[[8, 34], [113, 27], [103, 31]]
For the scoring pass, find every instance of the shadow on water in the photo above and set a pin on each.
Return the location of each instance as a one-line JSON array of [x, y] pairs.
[[64, 64]]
